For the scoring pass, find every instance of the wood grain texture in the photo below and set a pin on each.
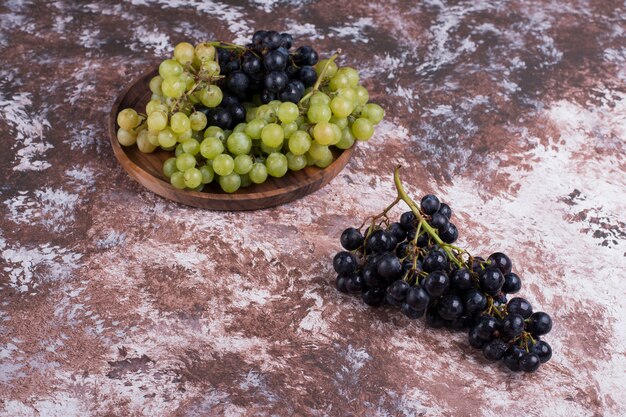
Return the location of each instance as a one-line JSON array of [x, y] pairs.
[[146, 169]]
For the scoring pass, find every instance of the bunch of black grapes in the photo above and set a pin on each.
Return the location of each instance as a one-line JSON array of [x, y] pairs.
[[266, 70], [401, 264]]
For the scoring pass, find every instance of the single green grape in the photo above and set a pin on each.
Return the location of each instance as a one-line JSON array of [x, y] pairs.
[[299, 142], [267, 113], [289, 128], [362, 129], [276, 164], [310, 161], [272, 135], [193, 177], [212, 68], [254, 127], [373, 112], [173, 87], [295, 162], [179, 122], [351, 74], [205, 52], [155, 105], [155, 85], [126, 137], [167, 138], [185, 136], [347, 139], [341, 106], [128, 119], [211, 147], [318, 151], [270, 149], [157, 121], [230, 183], [330, 71], [323, 133], [243, 164], [337, 133], [170, 68], [178, 180], [339, 121], [338, 81], [239, 143], [325, 161], [198, 120], [258, 173], [241, 127], [169, 167], [191, 147], [211, 96], [319, 98], [188, 79], [348, 93], [223, 164], [207, 174], [184, 53], [318, 113], [245, 180], [288, 112], [362, 95], [216, 132], [153, 138], [179, 150], [184, 161]]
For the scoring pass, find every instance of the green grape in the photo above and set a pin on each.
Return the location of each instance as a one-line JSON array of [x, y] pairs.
[[318, 113], [272, 135], [128, 119], [373, 112], [341, 107], [319, 98], [179, 122], [243, 164], [223, 164], [197, 121], [184, 53], [207, 174], [227, 133], [288, 112], [153, 138], [330, 71], [289, 128], [254, 127], [347, 139], [205, 52], [216, 132], [266, 112], [325, 161], [309, 159], [185, 136], [212, 68], [299, 142], [155, 85], [300, 120], [362, 95], [188, 79], [362, 129], [337, 133], [258, 173], [173, 87], [240, 128], [193, 177], [318, 151], [276, 164], [170, 69], [155, 105], [211, 147], [239, 143], [338, 81], [184, 161], [351, 74], [126, 137], [143, 144], [178, 180], [230, 183], [211, 96], [324, 133], [339, 121], [270, 149], [191, 147], [295, 162], [275, 104], [347, 93], [167, 138], [179, 150], [245, 180], [169, 167]]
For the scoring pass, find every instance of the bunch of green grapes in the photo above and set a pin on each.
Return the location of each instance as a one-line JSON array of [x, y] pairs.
[[276, 137]]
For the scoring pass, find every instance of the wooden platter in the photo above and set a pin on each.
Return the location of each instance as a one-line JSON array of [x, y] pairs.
[[147, 168]]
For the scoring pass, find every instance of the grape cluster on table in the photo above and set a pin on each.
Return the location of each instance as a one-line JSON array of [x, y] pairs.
[[240, 114], [396, 265]]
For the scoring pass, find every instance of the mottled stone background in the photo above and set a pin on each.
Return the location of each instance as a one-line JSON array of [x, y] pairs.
[[115, 302]]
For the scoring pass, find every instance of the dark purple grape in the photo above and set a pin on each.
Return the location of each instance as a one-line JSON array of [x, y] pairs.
[[307, 75], [221, 118], [519, 305], [272, 40], [266, 96], [461, 280], [435, 261], [450, 234], [258, 37], [392, 301], [474, 301], [351, 239], [305, 55], [486, 327], [529, 362], [512, 358], [494, 350], [344, 263], [354, 283], [491, 280], [450, 307], [237, 112], [397, 231], [500, 261], [378, 241], [475, 340], [286, 40], [410, 312], [389, 267], [445, 210], [439, 222], [417, 298], [542, 350], [371, 277], [436, 283], [540, 323], [276, 81], [374, 297], [407, 220], [251, 64], [340, 283], [512, 326], [512, 283], [430, 204], [398, 289]]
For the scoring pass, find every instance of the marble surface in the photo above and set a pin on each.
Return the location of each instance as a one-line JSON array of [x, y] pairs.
[[115, 302]]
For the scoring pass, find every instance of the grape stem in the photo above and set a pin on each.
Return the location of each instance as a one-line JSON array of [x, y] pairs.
[[317, 84], [422, 220]]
